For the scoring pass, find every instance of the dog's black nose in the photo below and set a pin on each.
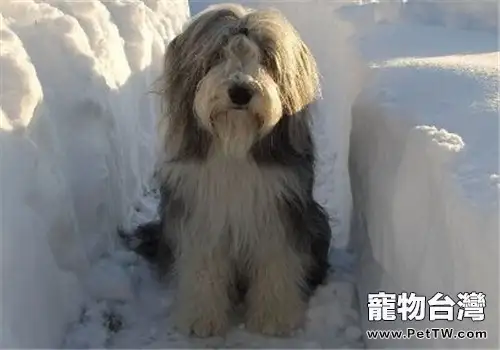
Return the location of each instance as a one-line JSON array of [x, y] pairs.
[[239, 94]]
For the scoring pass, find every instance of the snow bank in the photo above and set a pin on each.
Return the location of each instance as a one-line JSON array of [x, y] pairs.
[[414, 230], [423, 156], [76, 131]]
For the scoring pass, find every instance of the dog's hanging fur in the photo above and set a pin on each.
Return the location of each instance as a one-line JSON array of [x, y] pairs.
[[238, 217]]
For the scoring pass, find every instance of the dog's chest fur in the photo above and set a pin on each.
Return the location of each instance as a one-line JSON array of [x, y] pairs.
[[229, 201]]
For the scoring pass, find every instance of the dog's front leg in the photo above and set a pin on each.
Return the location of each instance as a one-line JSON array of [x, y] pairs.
[[274, 300], [202, 301]]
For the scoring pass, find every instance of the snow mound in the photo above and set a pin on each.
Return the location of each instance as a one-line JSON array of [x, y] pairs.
[[76, 131]]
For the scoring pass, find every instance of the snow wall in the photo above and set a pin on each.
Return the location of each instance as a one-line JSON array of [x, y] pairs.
[[412, 228], [76, 151], [415, 228]]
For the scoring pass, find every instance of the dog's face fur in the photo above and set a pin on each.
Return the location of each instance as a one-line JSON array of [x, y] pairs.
[[230, 77]]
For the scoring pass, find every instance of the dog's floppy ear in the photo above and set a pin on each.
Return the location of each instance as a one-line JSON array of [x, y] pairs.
[[172, 103], [307, 79], [300, 78], [172, 62], [181, 135], [306, 91], [177, 90]]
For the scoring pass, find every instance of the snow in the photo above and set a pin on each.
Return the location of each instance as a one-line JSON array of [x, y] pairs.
[[424, 159], [410, 58], [332, 321], [77, 131]]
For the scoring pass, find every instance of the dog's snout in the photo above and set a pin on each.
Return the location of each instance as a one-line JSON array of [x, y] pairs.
[[240, 94]]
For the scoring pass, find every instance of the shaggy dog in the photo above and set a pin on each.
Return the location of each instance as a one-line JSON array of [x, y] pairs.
[[237, 172]]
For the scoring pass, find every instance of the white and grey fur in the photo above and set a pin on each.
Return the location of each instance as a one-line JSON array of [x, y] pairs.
[[237, 209]]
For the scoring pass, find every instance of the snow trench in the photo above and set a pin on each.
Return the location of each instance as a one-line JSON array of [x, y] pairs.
[[77, 131]]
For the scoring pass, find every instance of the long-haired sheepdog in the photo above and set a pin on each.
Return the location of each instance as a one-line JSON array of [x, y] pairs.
[[237, 172]]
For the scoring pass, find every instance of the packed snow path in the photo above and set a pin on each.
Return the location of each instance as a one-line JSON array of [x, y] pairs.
[[142, 321]]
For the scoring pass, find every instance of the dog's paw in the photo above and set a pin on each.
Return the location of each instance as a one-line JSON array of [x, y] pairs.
[[203, 325], [274, 324]]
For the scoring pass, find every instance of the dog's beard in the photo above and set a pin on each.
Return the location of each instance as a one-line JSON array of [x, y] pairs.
[[235, 132]]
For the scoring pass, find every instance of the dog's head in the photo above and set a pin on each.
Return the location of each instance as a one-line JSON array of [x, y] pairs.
[[230, 77]]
